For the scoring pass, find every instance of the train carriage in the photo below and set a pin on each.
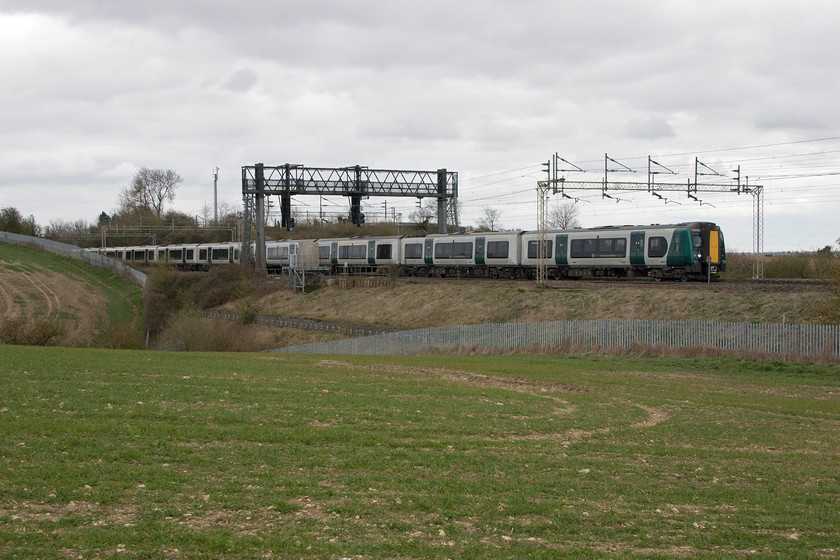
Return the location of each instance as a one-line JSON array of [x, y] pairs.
[[224, 253], [277, 255], [143, 254], [369, 255], [692, 250]]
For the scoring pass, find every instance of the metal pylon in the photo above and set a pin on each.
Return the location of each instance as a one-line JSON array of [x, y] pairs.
[[543, 188], [758, 231]]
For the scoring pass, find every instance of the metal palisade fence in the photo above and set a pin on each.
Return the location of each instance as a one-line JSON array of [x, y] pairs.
[[798, 341]]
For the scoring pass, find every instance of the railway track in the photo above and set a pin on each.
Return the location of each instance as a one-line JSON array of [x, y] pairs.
[[773, 284]]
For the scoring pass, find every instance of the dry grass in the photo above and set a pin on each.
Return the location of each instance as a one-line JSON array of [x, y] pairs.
[[414, 304], [188, 331]]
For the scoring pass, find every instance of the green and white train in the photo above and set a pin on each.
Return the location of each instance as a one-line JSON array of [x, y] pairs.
[[685, 251]]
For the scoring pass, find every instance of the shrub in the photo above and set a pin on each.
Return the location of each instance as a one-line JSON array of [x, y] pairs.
[[170, 292], [193, 333], [122, 337], [26, 331]]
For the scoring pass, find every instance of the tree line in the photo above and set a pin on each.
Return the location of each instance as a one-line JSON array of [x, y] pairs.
[[143, 216]]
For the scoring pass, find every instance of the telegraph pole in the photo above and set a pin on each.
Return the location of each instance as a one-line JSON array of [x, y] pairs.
[[216, 196]]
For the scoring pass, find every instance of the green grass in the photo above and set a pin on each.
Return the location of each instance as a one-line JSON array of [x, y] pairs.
[[154, 455]]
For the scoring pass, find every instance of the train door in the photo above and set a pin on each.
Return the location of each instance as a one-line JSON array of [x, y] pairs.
[[637, 247], [334, 252], [371, 252], [479, 250], [428, 251], [561, 253]]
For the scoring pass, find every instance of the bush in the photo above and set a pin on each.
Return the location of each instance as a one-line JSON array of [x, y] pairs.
[[800, 265], [191, 332], [122, 337], [170, 292], [26, 331]]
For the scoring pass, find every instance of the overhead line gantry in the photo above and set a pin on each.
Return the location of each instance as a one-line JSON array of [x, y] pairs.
[[559, 184], [356, 183]]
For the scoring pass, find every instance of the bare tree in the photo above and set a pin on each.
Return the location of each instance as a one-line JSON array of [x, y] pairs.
[[564, 215], [206, 213], [422, 216], [490, 219], [75, 233], [149, 190]]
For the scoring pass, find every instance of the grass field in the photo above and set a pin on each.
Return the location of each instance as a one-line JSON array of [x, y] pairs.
[[123, 454]]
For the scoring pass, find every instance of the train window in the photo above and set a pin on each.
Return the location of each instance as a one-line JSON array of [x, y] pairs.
[[546, 252], [462, 250], [696, 240], [190, 254], [283, 252], [220, 254], [657, 247], [498, 249], [612, 247], [383, 251], [175, 254], [352, 251], [414, 250], [582, 248], [323, 251], [202, 255]]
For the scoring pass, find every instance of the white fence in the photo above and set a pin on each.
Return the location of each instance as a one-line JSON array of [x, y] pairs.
[[76, 253], [807, 342]]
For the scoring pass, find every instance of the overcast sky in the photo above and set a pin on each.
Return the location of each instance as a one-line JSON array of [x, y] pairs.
[[93, 90]]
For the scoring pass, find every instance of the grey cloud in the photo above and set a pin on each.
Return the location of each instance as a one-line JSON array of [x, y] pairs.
[[485, 85], [649, 128], [241, 80]]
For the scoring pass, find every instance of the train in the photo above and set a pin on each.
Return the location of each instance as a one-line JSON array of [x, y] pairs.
[[682, 252]]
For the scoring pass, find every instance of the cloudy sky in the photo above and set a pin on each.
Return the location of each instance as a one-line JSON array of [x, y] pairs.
[[93, 90]]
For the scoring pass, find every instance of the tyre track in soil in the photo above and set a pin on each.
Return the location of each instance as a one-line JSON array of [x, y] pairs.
[[9, 290], [655, 415], [49, 294], [57, 292]]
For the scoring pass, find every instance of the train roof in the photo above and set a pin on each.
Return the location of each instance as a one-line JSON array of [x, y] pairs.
[[631, 227]]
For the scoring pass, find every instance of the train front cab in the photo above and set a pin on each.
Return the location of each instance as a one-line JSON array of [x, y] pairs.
[[708, 251]]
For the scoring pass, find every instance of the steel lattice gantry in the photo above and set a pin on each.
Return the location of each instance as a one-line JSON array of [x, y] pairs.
[[285, 181], [691, 190]]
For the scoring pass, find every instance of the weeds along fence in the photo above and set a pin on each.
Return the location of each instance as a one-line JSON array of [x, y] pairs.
[[792, 341], [76, 253]]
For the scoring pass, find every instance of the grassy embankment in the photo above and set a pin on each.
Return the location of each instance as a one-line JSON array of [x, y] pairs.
[[51, 299], [412, 303], [158, 455]]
